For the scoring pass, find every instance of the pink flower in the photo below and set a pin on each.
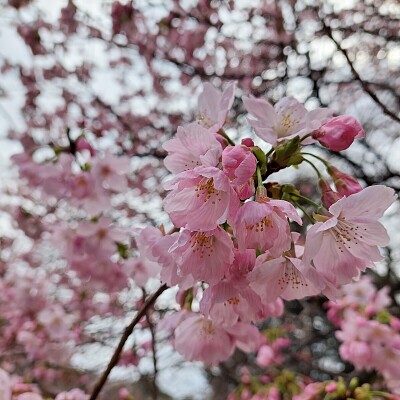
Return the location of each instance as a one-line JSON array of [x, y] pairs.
[[110, 171], [86, 193], [232, 298], [283, 276], [203, 255], [200, 199], [263, 225], [169, 272], [101, 237], [193, 146], [358, 353], [345, 184], [198, 338], [339, 133], [331, 387], [311, 392], [346, 240], [239, 164], [287, 119], [145, 266], [214, 106], [265, 356]]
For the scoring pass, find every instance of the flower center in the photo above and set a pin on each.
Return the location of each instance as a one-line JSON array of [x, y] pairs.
[[259, 226], [202, 244], [206, 190]]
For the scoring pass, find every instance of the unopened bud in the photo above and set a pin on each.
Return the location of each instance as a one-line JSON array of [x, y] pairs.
[[345, 184], [339, 133], [328, 196]]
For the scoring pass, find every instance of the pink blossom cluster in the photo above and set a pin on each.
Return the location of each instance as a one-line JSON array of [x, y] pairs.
[[12, 387], [232, 240], [370, 335], [86, 188], [341, 389], [77, 261]]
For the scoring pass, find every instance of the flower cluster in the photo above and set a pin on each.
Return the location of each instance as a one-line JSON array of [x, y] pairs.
[[233, 241], [370, 335], [12, 387]]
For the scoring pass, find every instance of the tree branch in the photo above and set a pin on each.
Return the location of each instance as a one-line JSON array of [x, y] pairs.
[[357, 76], [127, 332]]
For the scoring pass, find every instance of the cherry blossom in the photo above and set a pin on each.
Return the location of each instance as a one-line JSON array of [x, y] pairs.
[[214, 106], [349, 235], [200, 199], [193, 146]]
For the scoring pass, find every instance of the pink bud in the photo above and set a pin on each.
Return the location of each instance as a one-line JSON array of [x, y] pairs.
[[328, 196], [123, 394], [239, 163], [330, 387], [339, 133], [395, 323], [265, 356], [83, 144], [345, 184], [248, 142]]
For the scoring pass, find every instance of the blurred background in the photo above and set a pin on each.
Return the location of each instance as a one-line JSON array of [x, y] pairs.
[[127, 74]]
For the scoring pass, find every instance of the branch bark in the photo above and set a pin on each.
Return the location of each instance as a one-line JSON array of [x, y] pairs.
[[127, 332]]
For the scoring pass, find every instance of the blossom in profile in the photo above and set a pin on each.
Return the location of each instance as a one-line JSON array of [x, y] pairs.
[[192, 146], [344, 183], [287, 119], [345, 241], [214, 106]]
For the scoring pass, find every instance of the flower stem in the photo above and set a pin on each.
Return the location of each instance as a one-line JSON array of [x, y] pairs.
[[309, 217], [270, 151], [305, 137], [314, 167], [224, 135], [317, 157], [259, 177], [306, 199]]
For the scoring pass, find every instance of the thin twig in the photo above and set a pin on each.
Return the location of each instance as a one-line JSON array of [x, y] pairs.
[[357, 76], [127, 332], [154, 351]]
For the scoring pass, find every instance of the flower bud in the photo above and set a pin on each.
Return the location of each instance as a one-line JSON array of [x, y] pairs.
[[345, 184], [331, 387], [239, 164], [339, 133], [248, 142], [328, 196]]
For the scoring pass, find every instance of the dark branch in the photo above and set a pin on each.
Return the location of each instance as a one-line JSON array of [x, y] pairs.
[[127, 332]]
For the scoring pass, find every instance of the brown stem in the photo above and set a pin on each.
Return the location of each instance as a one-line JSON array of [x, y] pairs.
[[127, 332]]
